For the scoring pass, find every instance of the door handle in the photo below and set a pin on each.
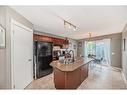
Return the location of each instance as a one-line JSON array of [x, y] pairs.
[[29, 59]]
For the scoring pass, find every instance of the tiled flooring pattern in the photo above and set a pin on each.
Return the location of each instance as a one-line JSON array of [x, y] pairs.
[[100, 77]]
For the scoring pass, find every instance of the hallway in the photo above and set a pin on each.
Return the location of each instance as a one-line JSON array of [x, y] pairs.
[[100, 77]]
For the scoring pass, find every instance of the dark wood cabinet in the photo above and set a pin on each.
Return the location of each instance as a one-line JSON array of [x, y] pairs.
[[70, 79], [84, 72], [59, 76], [56, 41], [73, 79]]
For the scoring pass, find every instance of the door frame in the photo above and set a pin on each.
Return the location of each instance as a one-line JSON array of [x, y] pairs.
[[14, 22]]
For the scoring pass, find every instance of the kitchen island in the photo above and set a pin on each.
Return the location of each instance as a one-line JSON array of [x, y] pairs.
[[70, 76]]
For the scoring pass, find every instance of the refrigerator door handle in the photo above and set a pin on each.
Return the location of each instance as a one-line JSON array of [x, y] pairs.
[[35, 73], [30, 59]]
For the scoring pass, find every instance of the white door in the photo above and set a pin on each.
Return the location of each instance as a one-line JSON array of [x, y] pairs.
[[22, 57]]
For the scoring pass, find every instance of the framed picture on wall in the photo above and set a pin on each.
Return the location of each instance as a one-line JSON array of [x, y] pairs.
[[74, 46], [80, 44], [2, 37]]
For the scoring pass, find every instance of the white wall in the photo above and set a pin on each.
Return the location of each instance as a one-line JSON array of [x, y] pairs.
[[6, 14], [2, 51], [124, 53]]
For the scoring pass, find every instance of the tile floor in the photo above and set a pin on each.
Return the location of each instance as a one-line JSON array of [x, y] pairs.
[[100, 77]]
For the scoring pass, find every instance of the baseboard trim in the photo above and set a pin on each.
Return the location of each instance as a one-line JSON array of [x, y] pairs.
[[124, 78], [116, 68]]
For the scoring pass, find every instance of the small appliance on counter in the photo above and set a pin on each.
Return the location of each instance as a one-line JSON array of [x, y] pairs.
[[58, 52]]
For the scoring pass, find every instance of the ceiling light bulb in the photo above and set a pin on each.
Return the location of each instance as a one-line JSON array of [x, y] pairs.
[[69, 26], [74, 28], [65, 24], [90, 34]]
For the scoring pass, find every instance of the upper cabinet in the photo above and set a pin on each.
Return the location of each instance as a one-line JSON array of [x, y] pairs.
[[42, 38], [56, 41]]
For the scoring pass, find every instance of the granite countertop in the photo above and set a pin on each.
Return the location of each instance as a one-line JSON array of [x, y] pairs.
[[79, 61]]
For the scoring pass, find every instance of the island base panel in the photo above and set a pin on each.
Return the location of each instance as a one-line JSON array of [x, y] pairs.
[[70, 79]]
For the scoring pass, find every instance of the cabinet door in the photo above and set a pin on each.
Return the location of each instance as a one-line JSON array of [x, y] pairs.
[[73, 79], [84, 72]]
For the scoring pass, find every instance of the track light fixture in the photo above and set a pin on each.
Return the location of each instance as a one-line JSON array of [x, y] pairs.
[[69, 26]]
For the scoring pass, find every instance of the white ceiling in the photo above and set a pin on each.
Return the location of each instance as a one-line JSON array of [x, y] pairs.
[[99, 20]]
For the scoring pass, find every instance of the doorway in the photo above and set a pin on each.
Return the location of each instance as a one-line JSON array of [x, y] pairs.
[[99, 49], [21, 55]]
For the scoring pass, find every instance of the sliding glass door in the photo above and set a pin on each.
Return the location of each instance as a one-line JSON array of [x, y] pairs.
[[99, 49]]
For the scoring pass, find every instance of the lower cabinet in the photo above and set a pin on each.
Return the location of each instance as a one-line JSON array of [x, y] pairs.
[[73, 79], [84, 72], [70, 79]]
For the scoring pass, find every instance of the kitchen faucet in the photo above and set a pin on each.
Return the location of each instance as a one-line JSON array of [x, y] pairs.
[[72, 55], [68, 56]]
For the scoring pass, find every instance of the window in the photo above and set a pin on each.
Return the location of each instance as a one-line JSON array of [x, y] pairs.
[[91, 46]]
